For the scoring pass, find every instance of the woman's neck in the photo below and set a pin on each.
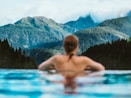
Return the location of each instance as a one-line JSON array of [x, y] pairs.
[[71, 53]]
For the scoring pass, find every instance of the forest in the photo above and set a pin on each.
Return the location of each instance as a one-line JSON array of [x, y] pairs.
[[114, 56], [14, 58]]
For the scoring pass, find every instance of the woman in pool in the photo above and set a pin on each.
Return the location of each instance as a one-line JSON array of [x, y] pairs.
[[70, 61]]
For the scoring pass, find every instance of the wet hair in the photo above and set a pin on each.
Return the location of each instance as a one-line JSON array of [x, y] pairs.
[[70, 43]]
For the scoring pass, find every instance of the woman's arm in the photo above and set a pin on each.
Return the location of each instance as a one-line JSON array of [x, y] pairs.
[[94, 65], [46, 63]]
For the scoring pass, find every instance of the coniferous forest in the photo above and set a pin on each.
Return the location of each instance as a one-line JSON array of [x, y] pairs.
[[10, 58], [114, 56]]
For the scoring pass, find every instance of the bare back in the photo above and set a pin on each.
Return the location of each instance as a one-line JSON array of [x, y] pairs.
[[68, 62], [75, 64]]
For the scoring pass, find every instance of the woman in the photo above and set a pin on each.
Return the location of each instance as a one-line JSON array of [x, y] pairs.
[[70, 61]]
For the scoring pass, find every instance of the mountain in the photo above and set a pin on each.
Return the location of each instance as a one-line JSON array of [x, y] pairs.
[[90, 37], [129, 13], [34, 32], [122, 24], [107, 31], [97, 35], [37, 33], [82, 23]]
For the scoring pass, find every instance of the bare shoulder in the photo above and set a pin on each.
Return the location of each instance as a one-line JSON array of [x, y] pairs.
[[93, 64], [84, 58], [57, 56]]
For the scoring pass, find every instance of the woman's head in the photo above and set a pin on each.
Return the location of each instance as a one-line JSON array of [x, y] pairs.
[[70, 43]]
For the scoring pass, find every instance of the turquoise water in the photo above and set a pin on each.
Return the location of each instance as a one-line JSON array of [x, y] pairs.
[[41, 84]]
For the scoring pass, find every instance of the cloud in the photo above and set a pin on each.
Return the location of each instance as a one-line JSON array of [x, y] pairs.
[[62, 10]]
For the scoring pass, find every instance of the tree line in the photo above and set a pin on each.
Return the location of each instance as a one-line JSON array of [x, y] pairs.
[[114, 56], [14, 58]]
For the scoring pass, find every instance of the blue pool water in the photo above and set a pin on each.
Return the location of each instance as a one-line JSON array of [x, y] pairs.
[[41, 84]]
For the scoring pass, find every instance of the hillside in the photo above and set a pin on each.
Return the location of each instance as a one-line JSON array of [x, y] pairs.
[[114, 56], [122, 24], [34, 32], [10, 58], [101, 34], [82, 23], [94, 36], [40, 54], [98, 35], [129, 13]]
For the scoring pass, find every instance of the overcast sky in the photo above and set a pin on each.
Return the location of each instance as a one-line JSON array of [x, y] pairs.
[[62, 10]]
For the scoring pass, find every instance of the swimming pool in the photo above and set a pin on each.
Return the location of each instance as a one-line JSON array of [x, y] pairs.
[[38, 84]]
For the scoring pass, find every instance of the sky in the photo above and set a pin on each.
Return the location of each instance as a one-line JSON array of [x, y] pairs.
[[62, 10]]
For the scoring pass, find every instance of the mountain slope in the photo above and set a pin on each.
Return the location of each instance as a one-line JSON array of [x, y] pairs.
[[82, 23], [129, 13], [98, 35], [122, 24], [33, 32], [107, 31]]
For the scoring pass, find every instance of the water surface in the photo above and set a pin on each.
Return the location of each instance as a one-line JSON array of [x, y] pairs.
[[41, 84]]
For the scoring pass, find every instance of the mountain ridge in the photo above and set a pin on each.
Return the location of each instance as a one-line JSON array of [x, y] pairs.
[[82, 23], [41, 32], [30, 32], [122, 24]]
